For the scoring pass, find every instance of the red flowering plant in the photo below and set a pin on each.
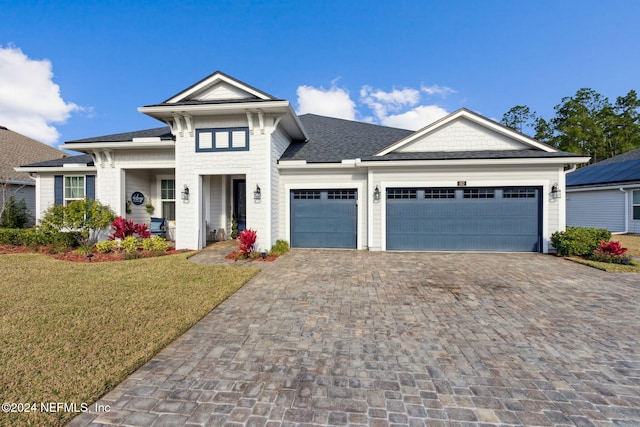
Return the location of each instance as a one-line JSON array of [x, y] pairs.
[[123, 228], [247, 239], [612, 252]]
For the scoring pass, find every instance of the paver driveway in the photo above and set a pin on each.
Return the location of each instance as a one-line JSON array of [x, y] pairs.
[[366, 338]]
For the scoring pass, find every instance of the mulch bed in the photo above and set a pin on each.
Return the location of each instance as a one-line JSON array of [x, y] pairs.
[[237, 256], [75, 256]]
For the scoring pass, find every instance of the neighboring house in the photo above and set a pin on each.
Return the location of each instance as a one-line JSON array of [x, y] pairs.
[[606, 194], [16, 150], [232, 151]]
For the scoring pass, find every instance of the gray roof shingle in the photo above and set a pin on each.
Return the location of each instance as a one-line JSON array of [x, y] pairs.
[[164, 133], [17, 149], [332, 140], [85, 159]]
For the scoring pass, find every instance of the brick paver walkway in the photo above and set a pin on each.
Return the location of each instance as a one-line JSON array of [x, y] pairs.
[[406, 339]]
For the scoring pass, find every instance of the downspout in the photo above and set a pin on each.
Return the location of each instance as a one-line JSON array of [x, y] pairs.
[[626, 209]]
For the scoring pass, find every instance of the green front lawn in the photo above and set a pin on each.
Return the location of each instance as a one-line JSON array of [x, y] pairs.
[[69, 332], [629, 241]]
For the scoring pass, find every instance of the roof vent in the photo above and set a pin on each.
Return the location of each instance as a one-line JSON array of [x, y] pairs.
[[3, 128]]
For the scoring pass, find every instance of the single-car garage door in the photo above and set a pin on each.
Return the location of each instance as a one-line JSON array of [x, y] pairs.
[[324, 219], [464, 219]]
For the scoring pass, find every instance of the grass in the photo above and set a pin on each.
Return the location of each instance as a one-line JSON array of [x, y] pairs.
[[70, 332], [607, 266], [629, 241]]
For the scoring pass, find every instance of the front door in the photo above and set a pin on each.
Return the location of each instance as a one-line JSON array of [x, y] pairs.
[[240, 203]]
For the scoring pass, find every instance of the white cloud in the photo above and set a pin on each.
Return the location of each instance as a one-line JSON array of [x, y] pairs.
[[399, 108], [382, 103], [416, 118], [333, 102], [29, 99], [443, 91]]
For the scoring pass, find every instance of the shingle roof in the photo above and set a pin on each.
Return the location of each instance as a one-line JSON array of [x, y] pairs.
[[332, 140], [84, 159], [164, 133], [17, 149], [624, 168]]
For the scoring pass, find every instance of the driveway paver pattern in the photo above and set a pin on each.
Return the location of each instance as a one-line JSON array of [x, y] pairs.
[[401, 339]]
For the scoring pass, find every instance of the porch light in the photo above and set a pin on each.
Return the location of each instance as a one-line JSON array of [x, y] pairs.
[[257, 194], [376, 194], [556, 193], [185, 193]]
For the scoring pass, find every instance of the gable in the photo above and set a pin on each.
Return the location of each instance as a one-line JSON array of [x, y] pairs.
[[219, 87], [220, 91], [465, 131], [461, 135]]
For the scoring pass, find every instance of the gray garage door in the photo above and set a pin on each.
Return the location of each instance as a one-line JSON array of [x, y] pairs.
[[464, 219], [324, 219]]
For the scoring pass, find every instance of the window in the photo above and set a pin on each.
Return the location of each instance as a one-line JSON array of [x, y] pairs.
[[306, 195], [341, 195], [168, 197], [73, 188], [402, 193], [518, 193], [636, 204], [222, 139], [439, 193], [478, 193]]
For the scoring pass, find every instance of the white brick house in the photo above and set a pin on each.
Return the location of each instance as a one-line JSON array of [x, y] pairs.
[[462, 183]]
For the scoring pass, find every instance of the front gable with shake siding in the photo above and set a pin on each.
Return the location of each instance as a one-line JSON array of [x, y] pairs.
[[242, 155]]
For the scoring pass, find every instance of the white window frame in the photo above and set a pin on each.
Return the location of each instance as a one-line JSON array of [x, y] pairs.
[[67, 200], [159, 179]]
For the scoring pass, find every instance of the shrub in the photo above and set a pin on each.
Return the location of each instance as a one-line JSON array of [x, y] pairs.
[[280, 247], [129, 244], [15, 214], [106, 246], [123, 228], [37, 237], [85, 217], [578, 240], [155, 244], [611, 252], [247, 239]]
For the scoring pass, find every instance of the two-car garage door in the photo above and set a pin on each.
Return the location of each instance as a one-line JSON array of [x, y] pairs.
[[505, 219]]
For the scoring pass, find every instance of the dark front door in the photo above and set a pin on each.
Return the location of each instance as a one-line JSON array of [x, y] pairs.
[[240, 203]]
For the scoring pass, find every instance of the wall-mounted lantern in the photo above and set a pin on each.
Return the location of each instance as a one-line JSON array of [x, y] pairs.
[[257, 194], [556, 193], [376, 194], [185, 193]]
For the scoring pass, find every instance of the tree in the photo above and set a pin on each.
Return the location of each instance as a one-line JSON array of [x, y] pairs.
[[85, 217], [519, 117], [586, 123], [14, 214]]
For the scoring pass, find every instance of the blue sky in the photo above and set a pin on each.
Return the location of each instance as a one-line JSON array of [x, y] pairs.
[[400, 63]]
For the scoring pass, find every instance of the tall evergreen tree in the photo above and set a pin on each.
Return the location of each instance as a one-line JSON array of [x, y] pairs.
[[586, 123]]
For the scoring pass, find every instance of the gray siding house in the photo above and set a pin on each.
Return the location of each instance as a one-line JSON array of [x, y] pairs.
[[16, 150], [606, 194]]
